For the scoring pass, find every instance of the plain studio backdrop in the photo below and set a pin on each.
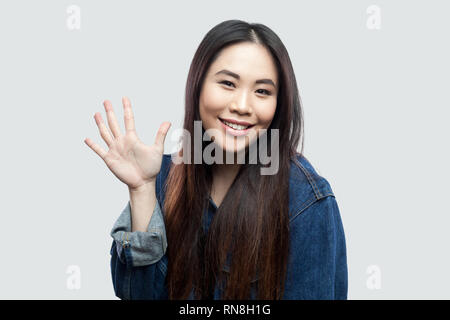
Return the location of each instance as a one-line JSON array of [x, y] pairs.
[[373, 79]]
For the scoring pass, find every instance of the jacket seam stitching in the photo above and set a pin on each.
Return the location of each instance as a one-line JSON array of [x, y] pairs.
[[311, 181], [162, 267], [308, 204]]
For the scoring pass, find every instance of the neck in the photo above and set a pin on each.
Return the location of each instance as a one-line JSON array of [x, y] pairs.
[[225, 171], [223, 176]]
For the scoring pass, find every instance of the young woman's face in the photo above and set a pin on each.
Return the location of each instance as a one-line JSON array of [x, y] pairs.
[[241, 85]]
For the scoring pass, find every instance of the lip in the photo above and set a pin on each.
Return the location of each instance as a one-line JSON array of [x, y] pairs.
[[234, 132], [242, 123]]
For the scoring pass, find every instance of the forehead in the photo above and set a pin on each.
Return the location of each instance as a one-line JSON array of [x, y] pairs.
[[249, 60]]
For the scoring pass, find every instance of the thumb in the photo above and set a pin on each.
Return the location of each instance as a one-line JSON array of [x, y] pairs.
[[161, 135]]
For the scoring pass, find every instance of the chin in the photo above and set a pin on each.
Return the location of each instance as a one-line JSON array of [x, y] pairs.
[[239, 148]]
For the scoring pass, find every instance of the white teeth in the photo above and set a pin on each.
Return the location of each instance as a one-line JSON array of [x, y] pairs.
[[235, 126]]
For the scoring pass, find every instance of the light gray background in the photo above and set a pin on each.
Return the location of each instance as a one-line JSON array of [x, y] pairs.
[[376, 111]]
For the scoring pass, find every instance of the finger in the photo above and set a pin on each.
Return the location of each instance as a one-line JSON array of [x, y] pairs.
[[161, 134], [98, 150], [104, 132], [128, 115], [112, 121]]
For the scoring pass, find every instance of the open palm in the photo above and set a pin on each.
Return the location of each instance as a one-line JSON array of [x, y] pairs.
[[131, 161]]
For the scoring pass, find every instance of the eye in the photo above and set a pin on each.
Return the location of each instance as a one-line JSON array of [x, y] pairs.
[[225, 82], [266, 92]]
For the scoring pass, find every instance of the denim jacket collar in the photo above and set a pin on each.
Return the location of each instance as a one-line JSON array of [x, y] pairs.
[[306, 186]]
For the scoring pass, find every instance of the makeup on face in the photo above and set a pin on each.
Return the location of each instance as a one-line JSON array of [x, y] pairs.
[[239, 94], [235, 127]]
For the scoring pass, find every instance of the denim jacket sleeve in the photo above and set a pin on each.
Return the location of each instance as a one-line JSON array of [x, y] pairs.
[[136, 258], [319, 263], [139, 248]]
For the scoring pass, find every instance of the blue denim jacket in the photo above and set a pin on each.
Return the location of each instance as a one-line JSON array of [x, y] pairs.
[[317, 267]]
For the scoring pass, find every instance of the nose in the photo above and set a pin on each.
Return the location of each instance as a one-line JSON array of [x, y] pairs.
[[241, 104]]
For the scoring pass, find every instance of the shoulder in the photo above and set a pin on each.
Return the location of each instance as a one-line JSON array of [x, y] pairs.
[[306, 186], [165, 165]]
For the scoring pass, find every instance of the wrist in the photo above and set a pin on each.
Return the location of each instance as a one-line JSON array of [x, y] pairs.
[[151, 185]]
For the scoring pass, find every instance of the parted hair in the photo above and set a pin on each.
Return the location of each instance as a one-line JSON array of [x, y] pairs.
[[251, 226]]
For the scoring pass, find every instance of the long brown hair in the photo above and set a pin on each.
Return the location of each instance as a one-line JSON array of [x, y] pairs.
[[251, 226]]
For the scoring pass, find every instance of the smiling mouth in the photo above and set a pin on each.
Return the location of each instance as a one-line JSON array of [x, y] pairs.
[[235, 126]]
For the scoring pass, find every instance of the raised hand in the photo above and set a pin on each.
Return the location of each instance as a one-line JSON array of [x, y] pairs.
[[131, 161]]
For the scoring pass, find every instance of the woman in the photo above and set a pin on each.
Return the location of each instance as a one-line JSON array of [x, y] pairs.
[[221, 230]]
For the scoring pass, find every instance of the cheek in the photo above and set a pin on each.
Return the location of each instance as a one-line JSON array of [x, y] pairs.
[[213, 99], [266, 114], [211, 105]]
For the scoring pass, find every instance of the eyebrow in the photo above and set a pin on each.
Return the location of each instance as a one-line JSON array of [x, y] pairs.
[[235, 75]]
